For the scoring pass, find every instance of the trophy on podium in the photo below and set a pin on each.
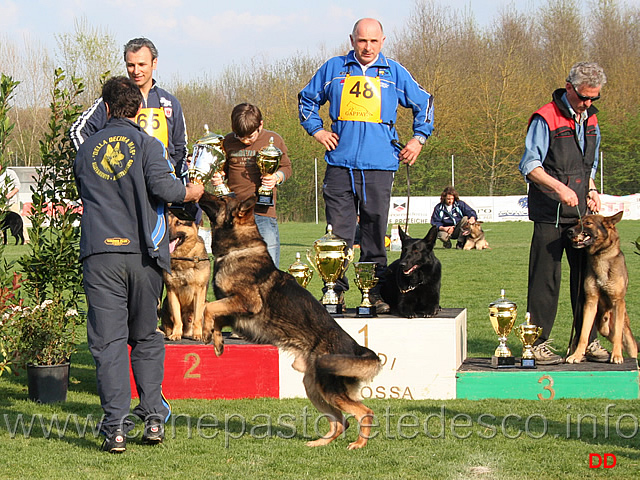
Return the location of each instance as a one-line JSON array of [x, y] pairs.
[[528, 334], [366, 279], [502, 313], [300, 271], [268, 161], [331, 258]]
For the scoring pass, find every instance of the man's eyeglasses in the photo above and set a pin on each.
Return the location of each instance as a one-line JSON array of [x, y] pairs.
[[584, 98]]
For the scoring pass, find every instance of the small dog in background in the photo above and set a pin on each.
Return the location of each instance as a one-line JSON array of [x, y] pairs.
[[183, 306], [13, 222], [475, 237], [605, 286], [411, 284]]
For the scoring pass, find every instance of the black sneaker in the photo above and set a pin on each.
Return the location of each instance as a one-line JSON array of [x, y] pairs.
[[153, 431], [115, 442]]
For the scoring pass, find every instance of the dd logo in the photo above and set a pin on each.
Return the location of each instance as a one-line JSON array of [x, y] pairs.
[[608, 460]]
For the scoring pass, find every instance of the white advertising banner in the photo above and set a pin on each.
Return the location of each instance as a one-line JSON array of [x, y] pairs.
[[500, 209]]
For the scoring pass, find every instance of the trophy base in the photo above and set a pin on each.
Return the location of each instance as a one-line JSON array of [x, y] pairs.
[[266, 200], [366, 312], [528, 363], [334, 309], [503, 362]]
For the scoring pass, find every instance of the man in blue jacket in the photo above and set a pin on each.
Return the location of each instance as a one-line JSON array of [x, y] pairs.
[[364, 89], [160, 116], [125, 179]]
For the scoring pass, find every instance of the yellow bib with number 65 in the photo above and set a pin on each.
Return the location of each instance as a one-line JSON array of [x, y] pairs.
[[361, 101], [154, 122]]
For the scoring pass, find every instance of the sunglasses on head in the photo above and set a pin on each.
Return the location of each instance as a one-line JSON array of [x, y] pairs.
[[584, 98]]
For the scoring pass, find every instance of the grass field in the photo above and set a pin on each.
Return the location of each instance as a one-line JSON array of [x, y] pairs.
[[426, 439]]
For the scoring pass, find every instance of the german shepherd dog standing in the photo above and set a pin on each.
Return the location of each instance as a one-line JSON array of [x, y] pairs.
[[605, 286], [183, 306], [411, 284], [267, 306]]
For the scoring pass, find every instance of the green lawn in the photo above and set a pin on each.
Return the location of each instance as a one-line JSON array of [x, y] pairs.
[[426, 439]]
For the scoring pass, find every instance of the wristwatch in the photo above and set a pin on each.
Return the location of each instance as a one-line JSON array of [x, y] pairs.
[[420, 139]]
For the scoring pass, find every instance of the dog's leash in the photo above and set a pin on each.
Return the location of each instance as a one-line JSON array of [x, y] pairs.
[[575, 307], [400, 146]]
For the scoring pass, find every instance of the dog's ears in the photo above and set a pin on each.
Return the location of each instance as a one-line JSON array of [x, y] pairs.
[[402, 233], [246, 208], [613, 219], [430, 238]]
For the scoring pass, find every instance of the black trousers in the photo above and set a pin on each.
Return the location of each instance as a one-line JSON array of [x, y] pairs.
[[365, 193], [548, 244], [122, 293]]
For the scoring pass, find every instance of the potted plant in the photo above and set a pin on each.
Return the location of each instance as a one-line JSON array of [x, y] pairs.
[[43, 323], [40, 338]]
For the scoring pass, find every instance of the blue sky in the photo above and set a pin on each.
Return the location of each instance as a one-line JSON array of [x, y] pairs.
[[198, 37]]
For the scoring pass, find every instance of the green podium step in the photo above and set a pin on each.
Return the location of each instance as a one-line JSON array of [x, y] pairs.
[[476, 380]]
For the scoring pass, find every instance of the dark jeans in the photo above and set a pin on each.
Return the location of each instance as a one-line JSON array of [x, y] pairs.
[[365, 193]]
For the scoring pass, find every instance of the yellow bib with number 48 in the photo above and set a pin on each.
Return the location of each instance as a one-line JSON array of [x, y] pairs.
[[154, 122], [361, 101]]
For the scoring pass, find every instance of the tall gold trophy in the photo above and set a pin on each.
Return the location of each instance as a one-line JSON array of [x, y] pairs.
[[502, 313], [208, 159], [330, 257], [300, 271], [268, 161], [366, 279], [528, 334]]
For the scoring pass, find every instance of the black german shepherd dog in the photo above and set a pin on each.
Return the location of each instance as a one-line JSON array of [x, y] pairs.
[[12, 222], [411, 284]]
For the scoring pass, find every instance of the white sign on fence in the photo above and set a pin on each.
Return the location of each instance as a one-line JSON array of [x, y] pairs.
[[500, 209]]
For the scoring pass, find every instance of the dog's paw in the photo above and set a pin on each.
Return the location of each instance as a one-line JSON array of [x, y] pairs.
[[174, 337], [575, 358], [616, 359]]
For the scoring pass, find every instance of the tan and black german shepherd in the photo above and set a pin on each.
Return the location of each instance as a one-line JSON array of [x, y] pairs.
[[475, 237], [267, 306], [605, 286], [183, 306]]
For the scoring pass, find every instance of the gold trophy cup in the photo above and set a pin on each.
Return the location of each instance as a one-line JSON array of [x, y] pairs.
[[208, 159], [331, 257], [528, 334], [300, 271], [366, 279], [502, 313], [268, 161]]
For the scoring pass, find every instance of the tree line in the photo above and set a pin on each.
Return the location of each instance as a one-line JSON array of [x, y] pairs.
[[486, 81]]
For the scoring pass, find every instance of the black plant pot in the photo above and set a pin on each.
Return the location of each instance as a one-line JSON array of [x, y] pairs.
[[48, 383]]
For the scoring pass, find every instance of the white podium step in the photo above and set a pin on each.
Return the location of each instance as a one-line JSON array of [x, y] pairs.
[[420, 355]]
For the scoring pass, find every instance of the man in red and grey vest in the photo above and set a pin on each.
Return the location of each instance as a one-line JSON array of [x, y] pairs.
[[560, 162]]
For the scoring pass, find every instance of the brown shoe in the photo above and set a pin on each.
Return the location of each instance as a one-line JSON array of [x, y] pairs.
[[597, 353]]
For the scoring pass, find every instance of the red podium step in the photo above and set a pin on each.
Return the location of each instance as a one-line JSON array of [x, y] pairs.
[[192, 370]]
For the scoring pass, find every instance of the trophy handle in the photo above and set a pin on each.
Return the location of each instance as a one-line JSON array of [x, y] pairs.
[[349, 255], [312, 261]]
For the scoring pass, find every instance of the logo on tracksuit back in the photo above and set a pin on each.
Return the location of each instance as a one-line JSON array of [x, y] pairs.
[[112, 157]]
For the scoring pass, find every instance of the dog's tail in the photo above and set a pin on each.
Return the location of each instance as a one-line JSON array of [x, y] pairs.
[[364, 367]]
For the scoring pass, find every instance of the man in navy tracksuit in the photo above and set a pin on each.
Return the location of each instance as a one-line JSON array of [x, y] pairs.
[[364, 89], [160, 116], [125, 180]]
